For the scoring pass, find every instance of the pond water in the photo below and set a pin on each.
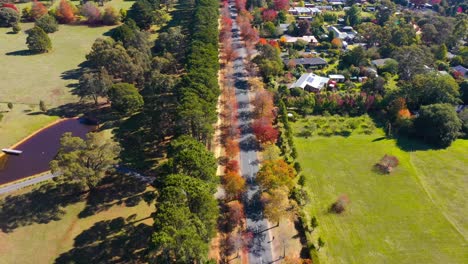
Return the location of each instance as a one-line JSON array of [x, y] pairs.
[[39, 150]]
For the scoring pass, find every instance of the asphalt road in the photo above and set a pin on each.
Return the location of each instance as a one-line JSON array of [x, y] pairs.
[[260, 250]]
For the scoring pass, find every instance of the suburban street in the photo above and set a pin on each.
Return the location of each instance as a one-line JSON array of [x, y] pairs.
[[260, 250]]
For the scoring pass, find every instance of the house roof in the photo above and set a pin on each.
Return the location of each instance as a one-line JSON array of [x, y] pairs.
[[307, 61], [308, 39], [336, 76], [312, 80], [460, 69], [379, 62]]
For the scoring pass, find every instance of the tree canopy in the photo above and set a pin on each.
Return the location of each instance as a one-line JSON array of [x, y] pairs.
[[85, 161], [438, 124]]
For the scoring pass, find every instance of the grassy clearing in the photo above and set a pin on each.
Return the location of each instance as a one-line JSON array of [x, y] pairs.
[[334, 125], [38, 226], [390, 219], [30, 78], [20, 122]]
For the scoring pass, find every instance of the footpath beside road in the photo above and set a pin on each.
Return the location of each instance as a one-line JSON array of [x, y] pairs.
[[260, 251], [14, 186], [25, 183]]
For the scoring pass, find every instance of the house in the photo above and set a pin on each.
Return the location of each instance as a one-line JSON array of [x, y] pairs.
[[325, 8], [311, 82], [337, 77], [337, 33], [303, 11], [379, 63], [283, 28], [462, 70], [307, 62], [308, 39], [370, 8]]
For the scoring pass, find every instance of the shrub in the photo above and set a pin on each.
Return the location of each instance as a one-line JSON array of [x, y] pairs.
[[8, 17], [38, 10], [38, 41], [10, 105], [340, 205], [16, 28], [91, 12], [297, 167], [110, 16], [387, 164], [65, 12], [47, 23]]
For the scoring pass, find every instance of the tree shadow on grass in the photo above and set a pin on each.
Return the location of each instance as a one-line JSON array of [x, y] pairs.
[[20, 53], [413, 144], [110, 241], [118, 189], [41, 205], [140, 150]]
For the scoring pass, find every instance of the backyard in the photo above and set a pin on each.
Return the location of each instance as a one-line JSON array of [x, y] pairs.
[[412, 215]]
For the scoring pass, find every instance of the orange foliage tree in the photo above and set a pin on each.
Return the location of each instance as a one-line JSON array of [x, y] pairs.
[[232, 147], [65, 12], [276, 173], [236, 212], [234, 185], [232, 166], [263, 104], [38, 9]]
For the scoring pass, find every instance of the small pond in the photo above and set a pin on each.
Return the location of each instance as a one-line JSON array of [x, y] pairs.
[[39, 150]]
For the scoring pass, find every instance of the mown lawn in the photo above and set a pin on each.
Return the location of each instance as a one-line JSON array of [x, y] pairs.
[[415, 215], [48, 225], [27, 79]]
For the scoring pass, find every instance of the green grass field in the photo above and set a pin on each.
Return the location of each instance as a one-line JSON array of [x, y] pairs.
[[415, 215], [47, 225], [27, 79]]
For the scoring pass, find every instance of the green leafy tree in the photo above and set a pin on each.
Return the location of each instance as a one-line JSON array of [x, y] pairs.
[[47, 23], [8, 17], [438, 124], [432, 88], [184, 221], [125, 98], [313, 223], [411, 61], [142, 13], [38, 41], [84, 161], [94, 85], [353, 15], [441, 52], [190, 157], [111, 16], [118, 61]]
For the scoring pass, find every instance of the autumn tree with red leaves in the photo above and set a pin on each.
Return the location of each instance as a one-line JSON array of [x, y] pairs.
[[269, 15], [65, 12], [11, 6], [264, 130], [232, 147], [232, 166], [281, 5], [236, 212], [38, 9]]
